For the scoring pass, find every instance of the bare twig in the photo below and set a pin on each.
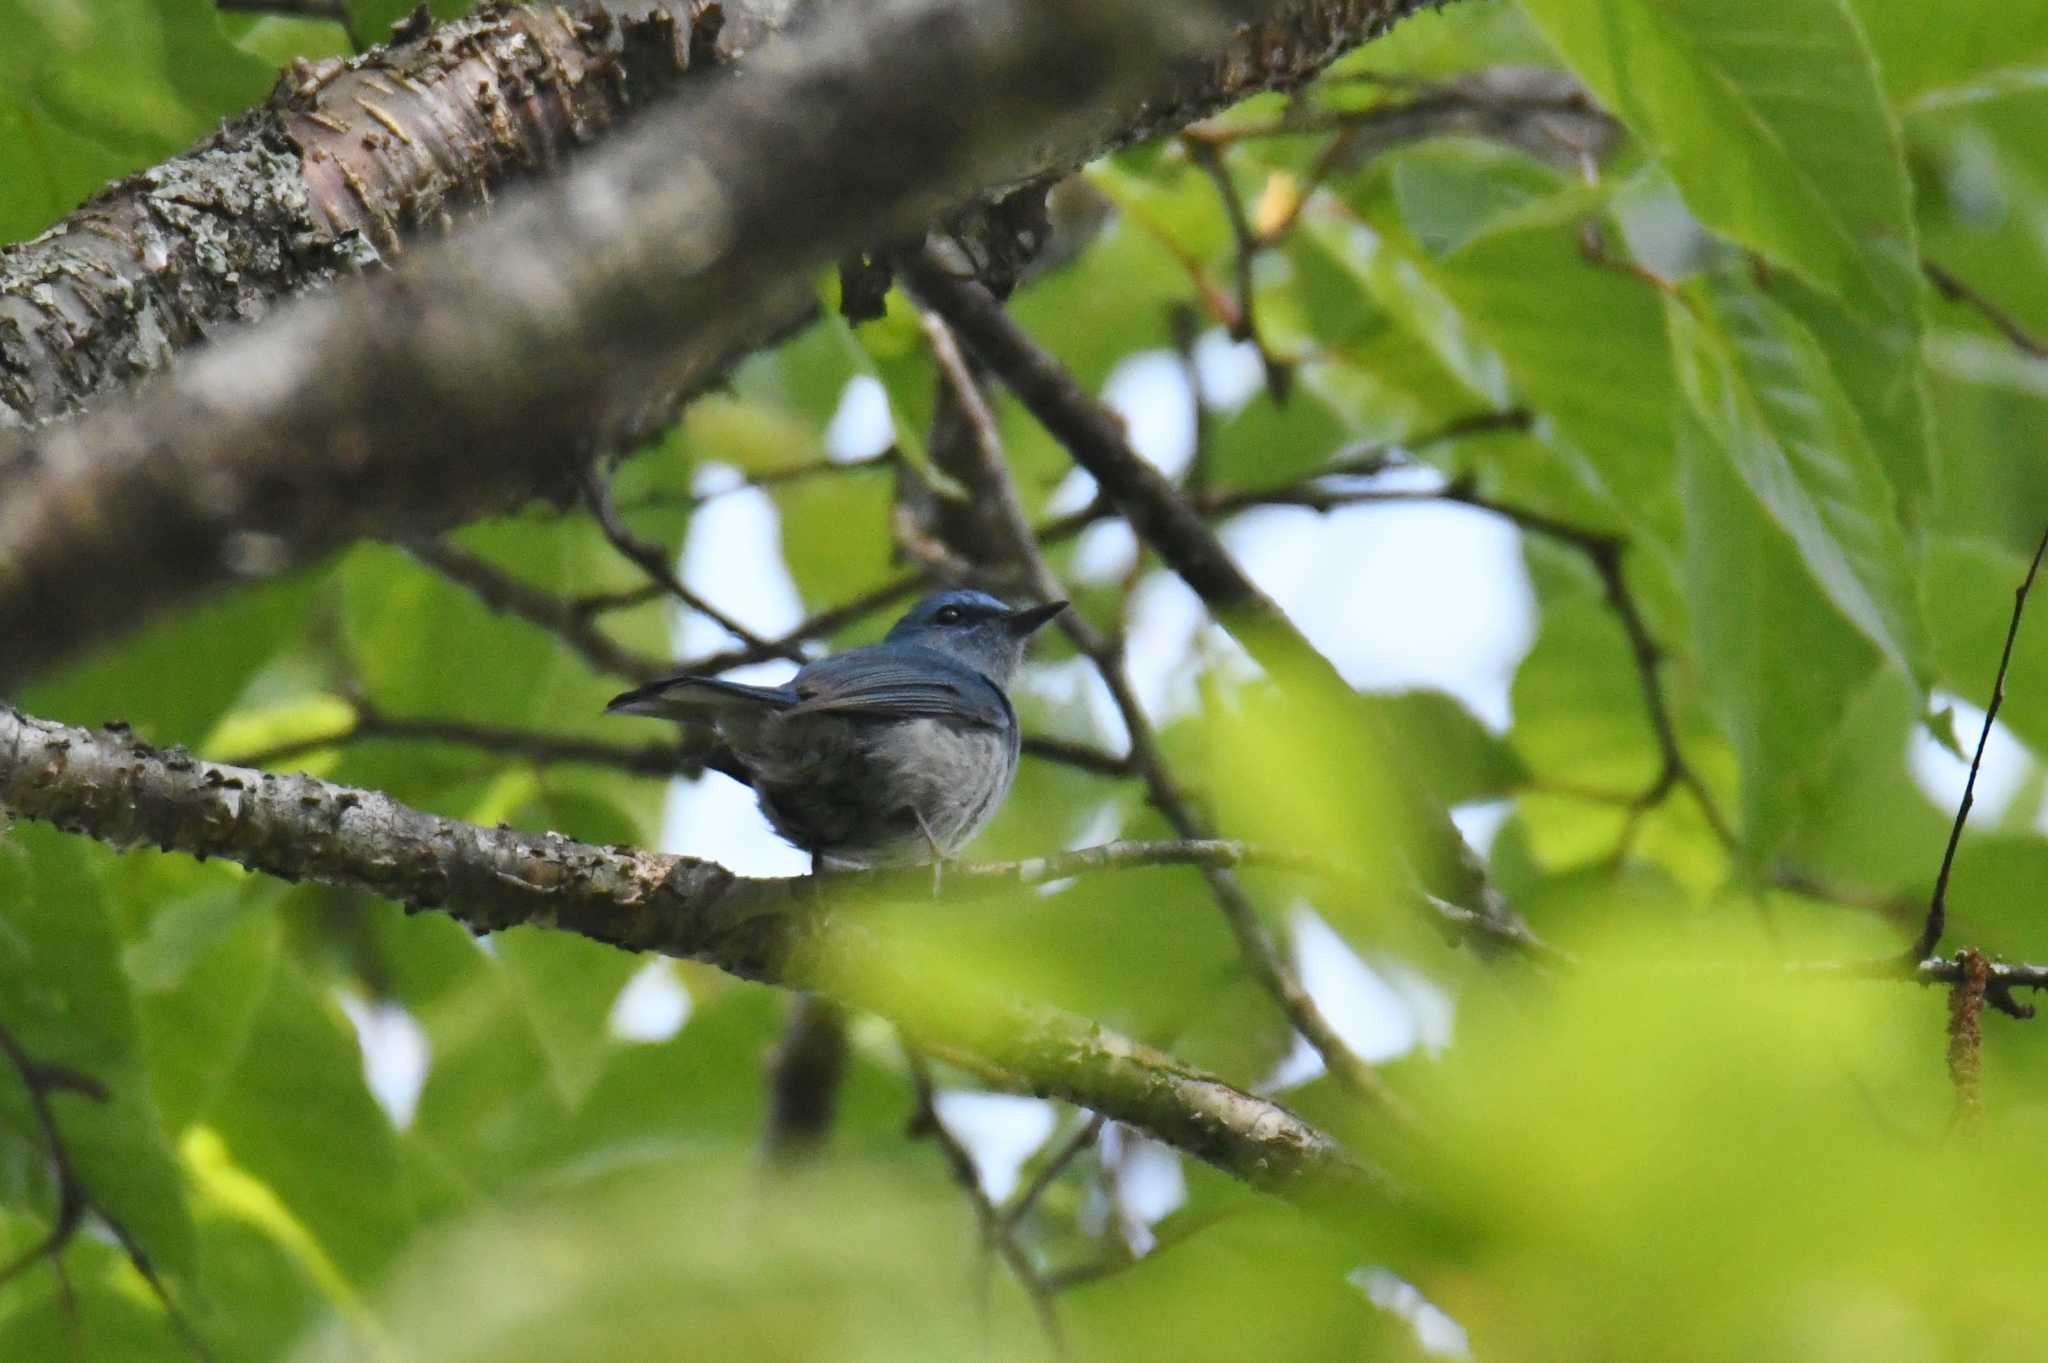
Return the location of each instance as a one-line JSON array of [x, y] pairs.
[[2001, 978], [989, 475], [1937, 903], [559, 616], [1021, 1205], [1244, 326], [1604, 552], [1956, 291], [1095, 438], [542, 749], [767, 478], [825, 622], [996, 1232], [1080, 756], [75, 1202], [652, 560]]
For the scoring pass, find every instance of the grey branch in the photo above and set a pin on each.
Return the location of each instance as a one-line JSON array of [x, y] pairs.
[[571, 324], [793, 933]]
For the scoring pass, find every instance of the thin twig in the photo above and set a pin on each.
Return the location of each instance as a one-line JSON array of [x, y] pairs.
[[995, 1232], [1021, 1205], [766, 478], [651, 560], [1956, 291], [1244, 325], [827, 621], [1603, 551], [1080, 756], [989, 476], [75, 1202], [1937, 903], [559, 616], [542, 749]]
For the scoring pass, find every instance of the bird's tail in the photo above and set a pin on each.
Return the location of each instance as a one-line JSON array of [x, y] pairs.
[[699, 699]]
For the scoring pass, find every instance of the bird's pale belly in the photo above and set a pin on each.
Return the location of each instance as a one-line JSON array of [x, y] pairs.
[[869, 794]]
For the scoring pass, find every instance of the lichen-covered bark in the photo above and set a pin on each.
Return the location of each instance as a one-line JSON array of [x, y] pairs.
[[102, 784], [345, 163]]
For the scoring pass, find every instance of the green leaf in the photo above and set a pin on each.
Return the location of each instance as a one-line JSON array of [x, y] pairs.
[[1926, 53], [1769, 115], [64, 1001], [95, 91], [566, 986], [175, 679], [1777, 657], [1521, 286], [267, 1078], [1764, 390]]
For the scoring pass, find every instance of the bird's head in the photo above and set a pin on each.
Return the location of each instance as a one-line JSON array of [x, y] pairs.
[[974, 628]]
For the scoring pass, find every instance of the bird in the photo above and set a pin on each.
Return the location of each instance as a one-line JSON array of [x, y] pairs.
[[878, 756]]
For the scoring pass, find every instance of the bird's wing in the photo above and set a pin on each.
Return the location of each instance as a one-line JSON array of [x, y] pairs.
[[901, 683], [699, 698]]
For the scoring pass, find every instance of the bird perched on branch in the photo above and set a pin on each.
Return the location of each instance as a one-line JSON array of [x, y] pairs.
[[879, 755]]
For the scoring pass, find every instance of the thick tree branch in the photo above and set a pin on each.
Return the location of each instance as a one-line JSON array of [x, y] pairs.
[[573, 323], [343, 165], [794, 933]]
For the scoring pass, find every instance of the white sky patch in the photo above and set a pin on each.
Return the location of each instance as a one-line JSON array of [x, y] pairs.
[[1940, 774], [1414, 594], [1074, 681], [1380, 1011], [1146, 1183], [1104, 553], [999, 1130], [1481, 822], [652, 1007], [861, 426], [1075, 491], [1230, 372], [396, 1054], [733, 559], [1435, 1331], [1149, 390]]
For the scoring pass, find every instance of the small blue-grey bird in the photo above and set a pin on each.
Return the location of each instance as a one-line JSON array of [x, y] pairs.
[[878, 755]]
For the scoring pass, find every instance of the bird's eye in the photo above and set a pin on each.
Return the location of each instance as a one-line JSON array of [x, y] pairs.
[[949, 615]]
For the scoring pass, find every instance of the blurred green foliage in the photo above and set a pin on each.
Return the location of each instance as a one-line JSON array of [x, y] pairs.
[[1819, 480]]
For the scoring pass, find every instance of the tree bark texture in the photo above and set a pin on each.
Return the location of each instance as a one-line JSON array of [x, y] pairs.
[[334, 174], [802, 934], [573, 325]]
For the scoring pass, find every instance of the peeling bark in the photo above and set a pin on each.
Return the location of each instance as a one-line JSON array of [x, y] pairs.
[[800, 934], [344, 164]]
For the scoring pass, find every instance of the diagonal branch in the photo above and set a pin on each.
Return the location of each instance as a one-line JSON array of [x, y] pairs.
[[1937, 903], [985, 470], [798, 934], [651, 560], [998, 1232]]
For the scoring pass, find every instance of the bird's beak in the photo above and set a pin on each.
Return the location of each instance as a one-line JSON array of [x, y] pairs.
[[1027, 621]]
